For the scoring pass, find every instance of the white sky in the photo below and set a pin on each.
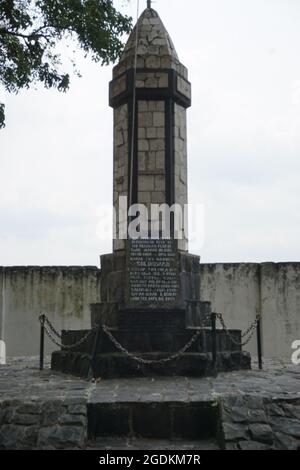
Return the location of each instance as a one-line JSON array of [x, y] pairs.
[[243, 58]]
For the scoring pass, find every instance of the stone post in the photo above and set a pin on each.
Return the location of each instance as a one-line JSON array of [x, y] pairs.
[[2, 316]]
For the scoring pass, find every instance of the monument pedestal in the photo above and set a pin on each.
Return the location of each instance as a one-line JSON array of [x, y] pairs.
[[152, 274], [149, 313], [148, 336]]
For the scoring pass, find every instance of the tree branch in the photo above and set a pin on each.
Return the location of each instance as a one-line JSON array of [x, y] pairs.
[[33, 35]]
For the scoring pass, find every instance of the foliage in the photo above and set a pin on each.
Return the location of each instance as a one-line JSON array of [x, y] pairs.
[[31, 30]]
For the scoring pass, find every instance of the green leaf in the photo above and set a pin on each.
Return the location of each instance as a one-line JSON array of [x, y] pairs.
[[31, 30]]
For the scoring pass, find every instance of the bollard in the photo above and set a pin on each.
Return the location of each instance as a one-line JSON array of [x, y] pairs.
[[259, 349], [214, 340], [94, 352], [42, 342]]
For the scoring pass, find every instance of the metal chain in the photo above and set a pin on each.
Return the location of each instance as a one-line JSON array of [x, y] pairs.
[[249, 330], [74, 345], [46, 320], [52, 331], [155, 361], [49, 334], [252, 326]]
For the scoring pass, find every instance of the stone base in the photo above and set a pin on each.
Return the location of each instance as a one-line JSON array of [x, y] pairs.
[[150, 319], [152, 341], [150, 335], [118, 365]]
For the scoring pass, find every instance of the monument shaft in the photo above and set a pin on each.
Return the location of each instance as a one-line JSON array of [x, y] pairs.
[[150, 94]]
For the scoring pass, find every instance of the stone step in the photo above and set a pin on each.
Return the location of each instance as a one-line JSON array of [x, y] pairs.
[[123, 443], [155, 340], [119, 365], [139, 319], [157, 419]]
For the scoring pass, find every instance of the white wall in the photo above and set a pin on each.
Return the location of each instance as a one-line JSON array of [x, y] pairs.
[[280, 307], [233, 290], [237, 291], [2, 342], [240, 290], [63, 293]]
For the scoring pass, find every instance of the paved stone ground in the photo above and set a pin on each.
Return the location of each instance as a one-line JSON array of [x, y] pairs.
[[151, 444], [259, 409]]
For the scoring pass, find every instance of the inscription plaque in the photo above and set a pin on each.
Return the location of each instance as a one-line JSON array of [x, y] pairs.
[[152, 272]]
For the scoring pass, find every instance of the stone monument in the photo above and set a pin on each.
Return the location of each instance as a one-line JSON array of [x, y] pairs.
[[151, 319]]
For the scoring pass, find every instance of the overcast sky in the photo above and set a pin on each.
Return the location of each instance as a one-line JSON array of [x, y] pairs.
[[243, 58]]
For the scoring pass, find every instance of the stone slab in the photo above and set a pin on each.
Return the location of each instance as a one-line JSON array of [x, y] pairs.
[[119, 365], [249, 399], [146, 340]]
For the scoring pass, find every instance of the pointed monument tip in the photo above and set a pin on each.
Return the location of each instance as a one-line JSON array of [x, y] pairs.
[[149, 46], [153, 38]]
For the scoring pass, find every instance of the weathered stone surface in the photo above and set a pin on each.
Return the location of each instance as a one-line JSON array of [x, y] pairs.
[[62, 436], [286, 442], [6, 415], [232, 446], [108, 420], [76, 419], [286, 426], [292, 411], [121, 149], [26, 419], [253, 445], [252, 413], [112, 365], [115, 443], [77, 409], [30, 408], [50, 418], [273, 409], [180, 398], [239, 415], [257, 416], [12, 436], [261, 433], [234, 431], [151, 420]]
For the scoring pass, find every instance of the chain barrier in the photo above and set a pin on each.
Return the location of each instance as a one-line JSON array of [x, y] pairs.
[[46, 320], [249, 332], [156, 361], [52, 331]]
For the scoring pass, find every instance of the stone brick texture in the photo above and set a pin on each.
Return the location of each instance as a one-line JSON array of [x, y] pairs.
[[120, 171], [247, 410], [155, 51]]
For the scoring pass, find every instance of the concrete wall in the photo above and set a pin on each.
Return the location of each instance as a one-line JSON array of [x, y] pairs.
[[63, 293], [237, 291], [233, 290], [280, 297]]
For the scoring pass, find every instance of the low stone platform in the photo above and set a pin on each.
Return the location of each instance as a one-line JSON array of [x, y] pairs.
[[117, 365], [150, 336], [238, 410]]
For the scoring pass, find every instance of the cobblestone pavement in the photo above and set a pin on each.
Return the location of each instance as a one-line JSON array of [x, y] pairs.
[[45, 409]]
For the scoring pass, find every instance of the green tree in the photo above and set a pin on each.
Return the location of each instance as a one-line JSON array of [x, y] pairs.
[[30, 31]]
